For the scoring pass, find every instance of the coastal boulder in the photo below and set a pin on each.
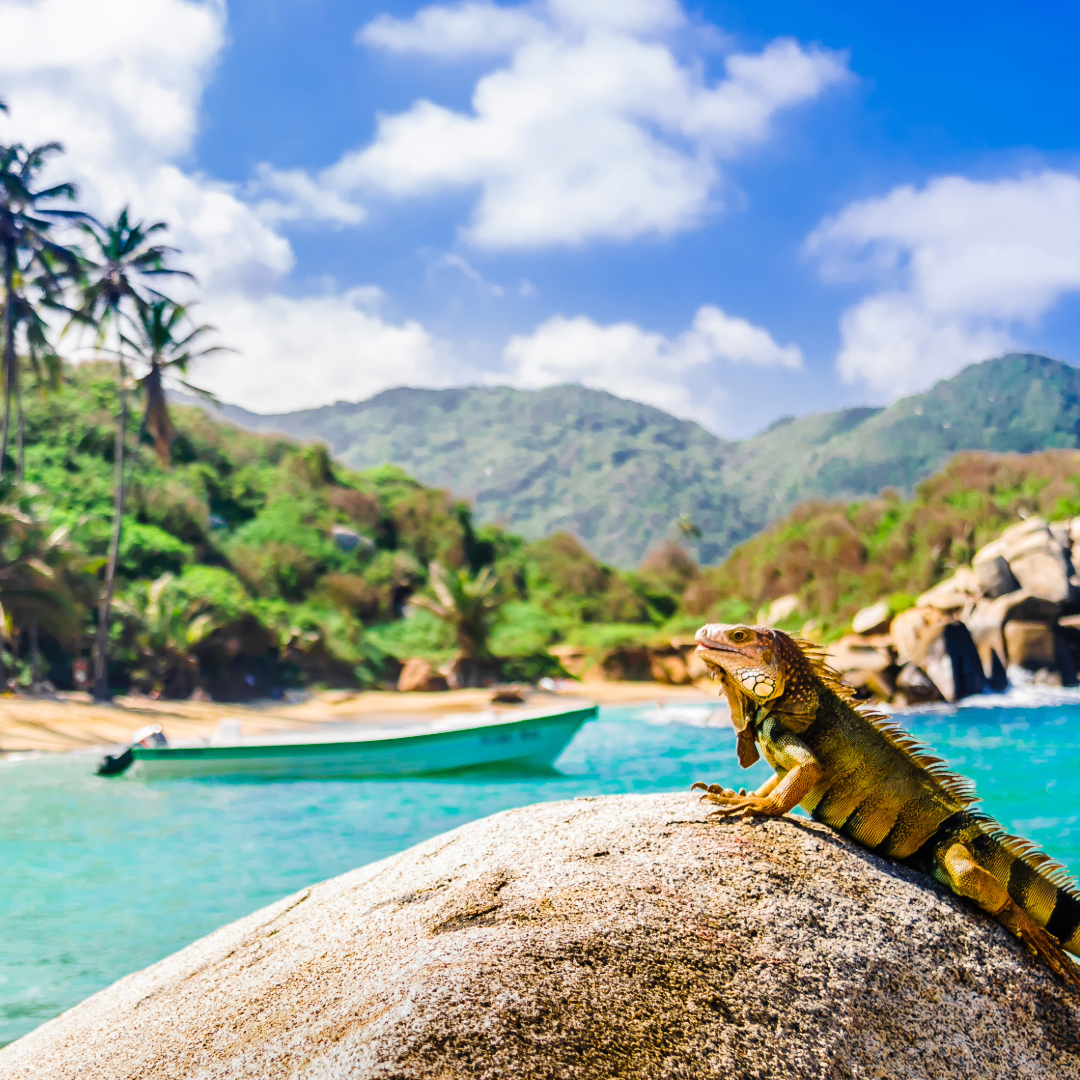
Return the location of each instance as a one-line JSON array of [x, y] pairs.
[[853, 652], [953, 664], [916, 687], [988, 618], [913, 630], [599, 938], [1029, 644], [418, 674], [873, 619], [1039, 561], [668, 666], [953, 593], [992, 570]]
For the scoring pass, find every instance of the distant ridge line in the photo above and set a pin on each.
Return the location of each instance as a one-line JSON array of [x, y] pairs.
[[618, 473]]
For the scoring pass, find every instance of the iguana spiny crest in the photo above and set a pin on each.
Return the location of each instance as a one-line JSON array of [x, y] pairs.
[[861, 774]]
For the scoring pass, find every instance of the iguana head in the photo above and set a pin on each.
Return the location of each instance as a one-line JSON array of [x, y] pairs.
[[747, 655], [763, 672]]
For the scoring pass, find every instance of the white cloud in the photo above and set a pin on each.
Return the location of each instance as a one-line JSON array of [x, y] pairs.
[[116, 77], [964, 268], [302, 353], [681, 374], [486, 289], [119, 83], [292, 195], [470, 29], [593, 128]]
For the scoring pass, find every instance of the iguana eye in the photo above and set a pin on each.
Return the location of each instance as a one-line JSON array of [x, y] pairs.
[[738, 635]]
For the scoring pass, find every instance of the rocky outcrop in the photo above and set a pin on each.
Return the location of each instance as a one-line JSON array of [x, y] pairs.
[[1010, 609], [614, 937], [1039, 558], [418, 674], [993, 571]]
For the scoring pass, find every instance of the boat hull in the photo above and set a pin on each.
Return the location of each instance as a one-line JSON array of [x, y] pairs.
[[532, 742]]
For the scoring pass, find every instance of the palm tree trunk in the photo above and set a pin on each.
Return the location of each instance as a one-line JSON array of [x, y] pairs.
[[35, 655], [101, 641], [20, 474], [9, 350]]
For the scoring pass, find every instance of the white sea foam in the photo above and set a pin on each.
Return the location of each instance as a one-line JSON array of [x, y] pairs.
[[1018, 696], [707, 714]]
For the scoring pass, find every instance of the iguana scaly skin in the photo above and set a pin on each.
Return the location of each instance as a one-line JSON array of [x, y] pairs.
[[862, 775]]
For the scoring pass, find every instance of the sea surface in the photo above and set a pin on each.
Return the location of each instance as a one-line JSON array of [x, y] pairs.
[[102, 876]]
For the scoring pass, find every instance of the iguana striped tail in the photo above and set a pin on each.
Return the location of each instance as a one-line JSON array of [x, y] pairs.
[[1040, 887]]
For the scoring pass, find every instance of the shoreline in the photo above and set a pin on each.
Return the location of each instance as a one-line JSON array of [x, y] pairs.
[[65, 723]]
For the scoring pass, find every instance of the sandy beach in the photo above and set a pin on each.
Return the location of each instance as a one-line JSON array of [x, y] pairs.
[[72, 722]]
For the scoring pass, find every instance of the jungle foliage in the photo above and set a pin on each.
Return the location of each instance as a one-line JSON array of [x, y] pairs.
[[249, 563], [841, 556], [617, 473]]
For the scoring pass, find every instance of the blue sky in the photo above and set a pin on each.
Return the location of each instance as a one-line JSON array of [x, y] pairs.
[[733, 211]]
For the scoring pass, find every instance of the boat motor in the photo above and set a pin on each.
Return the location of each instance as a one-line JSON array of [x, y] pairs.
[[114, 764]]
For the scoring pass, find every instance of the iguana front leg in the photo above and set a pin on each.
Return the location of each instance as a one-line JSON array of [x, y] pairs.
[[967, 878], [780, 793], [719, 789]]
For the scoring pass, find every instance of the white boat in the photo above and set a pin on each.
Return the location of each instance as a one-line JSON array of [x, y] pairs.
[[531, 738]]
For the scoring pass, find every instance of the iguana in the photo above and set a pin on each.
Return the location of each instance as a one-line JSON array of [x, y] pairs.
[[864, 776]]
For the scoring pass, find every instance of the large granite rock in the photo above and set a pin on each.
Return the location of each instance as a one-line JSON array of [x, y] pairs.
[[613, 937], [988, 619], [991, 568], [1039, 561]]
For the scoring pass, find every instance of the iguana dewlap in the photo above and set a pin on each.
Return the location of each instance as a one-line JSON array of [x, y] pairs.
[[862, 775]]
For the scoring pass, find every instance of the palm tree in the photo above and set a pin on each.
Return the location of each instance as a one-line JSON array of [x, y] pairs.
[[33, 263], [114, 288], [689, 532], [469, 605], [36, 573], [168, 624], [154, 342], [40, 357]]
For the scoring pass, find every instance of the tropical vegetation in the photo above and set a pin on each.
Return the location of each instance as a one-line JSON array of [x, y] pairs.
[[617, 473], [250, 563]]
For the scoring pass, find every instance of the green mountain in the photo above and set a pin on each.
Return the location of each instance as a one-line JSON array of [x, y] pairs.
[[618, 473]]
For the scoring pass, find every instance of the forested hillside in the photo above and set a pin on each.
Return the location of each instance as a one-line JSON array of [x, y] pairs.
[[618, 474], [838, 557], [249, 563]]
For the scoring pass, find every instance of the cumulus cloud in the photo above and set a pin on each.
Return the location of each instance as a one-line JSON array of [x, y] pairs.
[[469, 29], [119, 83], [962, 268], [677, 374], [292, 195], [301, 353], [592, 127]]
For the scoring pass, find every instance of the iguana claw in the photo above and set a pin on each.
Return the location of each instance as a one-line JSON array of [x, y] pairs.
[[1041, 943], [734, 803]]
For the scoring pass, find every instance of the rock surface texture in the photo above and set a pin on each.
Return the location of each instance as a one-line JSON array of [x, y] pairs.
[[612, 937]]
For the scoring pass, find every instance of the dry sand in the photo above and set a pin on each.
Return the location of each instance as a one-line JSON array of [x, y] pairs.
[[72, 722]]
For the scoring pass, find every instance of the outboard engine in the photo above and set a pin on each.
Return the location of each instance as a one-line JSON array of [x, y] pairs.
[[114, 764]]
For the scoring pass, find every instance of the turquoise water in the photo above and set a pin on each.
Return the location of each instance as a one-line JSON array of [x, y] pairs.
[[100, 877]]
